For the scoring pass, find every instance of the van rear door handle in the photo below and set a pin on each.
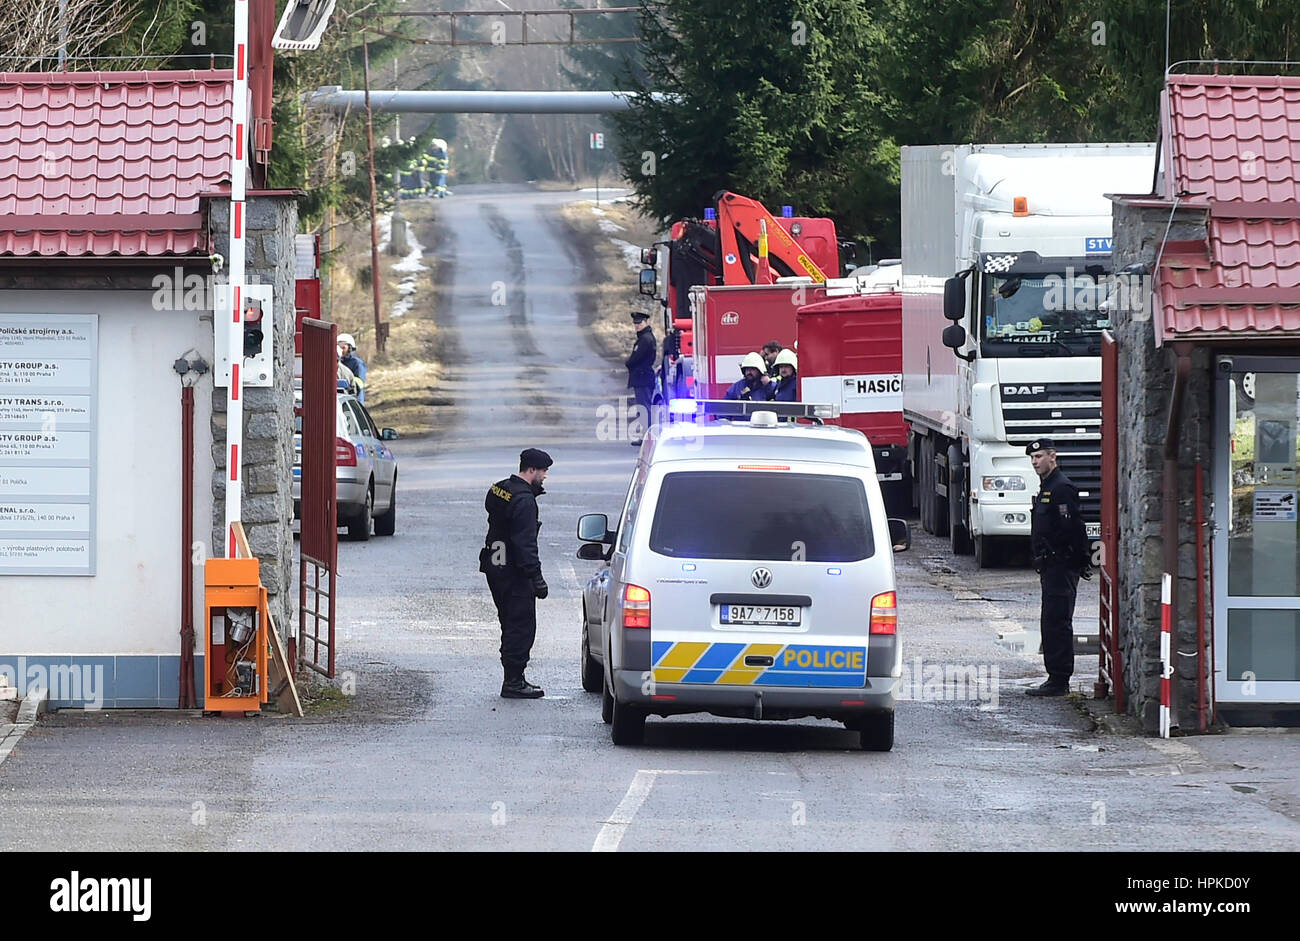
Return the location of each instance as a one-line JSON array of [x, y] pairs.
[[759, 661]]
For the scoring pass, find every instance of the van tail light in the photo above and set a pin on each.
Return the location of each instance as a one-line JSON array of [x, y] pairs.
[[884, 613], [636, 606], [345, 455]]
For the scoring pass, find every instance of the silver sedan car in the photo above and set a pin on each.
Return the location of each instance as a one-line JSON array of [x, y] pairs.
[[365, 471]]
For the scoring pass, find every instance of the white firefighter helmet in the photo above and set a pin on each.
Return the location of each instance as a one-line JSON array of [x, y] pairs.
[[348, 339], [787, 358], [753, 361]]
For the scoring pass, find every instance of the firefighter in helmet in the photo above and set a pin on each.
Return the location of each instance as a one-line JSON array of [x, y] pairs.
[[785, 389], [755, 384]]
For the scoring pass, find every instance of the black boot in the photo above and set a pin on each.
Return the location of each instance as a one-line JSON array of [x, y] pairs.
[[1050, 687], [516, 687]]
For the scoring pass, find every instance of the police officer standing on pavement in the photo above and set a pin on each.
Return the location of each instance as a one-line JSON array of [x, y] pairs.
[[641, 371], [1059, 541], [514, 570]]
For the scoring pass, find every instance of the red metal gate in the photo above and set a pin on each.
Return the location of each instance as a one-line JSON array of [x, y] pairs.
[[1108, 672], [319, 543]]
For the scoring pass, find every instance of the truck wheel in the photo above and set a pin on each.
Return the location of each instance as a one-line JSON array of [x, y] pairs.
[[877, 732], [628, 724], [958, 527], [986, 552], [939, 503], [925, 486]]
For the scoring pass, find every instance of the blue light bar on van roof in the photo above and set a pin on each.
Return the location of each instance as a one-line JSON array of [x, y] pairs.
[[787, 212], [731, 408]]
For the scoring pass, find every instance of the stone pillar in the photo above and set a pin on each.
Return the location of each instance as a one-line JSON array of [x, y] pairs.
[[1145, 378], [272, 222]]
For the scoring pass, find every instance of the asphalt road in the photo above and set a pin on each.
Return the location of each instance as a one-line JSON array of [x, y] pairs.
[[425, 755]]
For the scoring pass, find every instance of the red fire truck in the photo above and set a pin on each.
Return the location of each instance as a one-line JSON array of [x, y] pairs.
[[850, 348], [737, 243]]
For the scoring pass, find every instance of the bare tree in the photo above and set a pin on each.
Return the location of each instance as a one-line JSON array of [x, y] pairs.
[[33, 31]]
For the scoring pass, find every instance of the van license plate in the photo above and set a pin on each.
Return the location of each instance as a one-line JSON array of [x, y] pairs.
[[760, 614]]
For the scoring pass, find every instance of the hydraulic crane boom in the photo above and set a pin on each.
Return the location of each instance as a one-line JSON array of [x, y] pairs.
[[791, 246]]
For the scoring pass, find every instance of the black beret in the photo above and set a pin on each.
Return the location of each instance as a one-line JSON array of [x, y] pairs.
[[1040, 444], [532, 457]]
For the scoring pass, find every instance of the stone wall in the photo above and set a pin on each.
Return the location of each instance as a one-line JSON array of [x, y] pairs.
[[1146, 375], [272, 222]]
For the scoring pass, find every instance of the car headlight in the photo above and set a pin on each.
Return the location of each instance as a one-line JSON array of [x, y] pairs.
[[1004, 483]]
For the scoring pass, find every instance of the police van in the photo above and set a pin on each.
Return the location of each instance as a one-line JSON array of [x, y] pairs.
[[751, 575]]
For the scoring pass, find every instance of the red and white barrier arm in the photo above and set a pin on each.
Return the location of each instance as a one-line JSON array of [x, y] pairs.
[[235, 295]]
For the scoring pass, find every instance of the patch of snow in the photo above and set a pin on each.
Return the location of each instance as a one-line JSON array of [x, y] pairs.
[[631, 253], [607, 226], [411, 267]]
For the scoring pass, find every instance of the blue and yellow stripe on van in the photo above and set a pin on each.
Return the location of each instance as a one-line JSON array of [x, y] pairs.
[[723, 664]]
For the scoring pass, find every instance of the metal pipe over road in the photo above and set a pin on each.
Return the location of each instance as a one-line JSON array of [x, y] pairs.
[[336, 98]]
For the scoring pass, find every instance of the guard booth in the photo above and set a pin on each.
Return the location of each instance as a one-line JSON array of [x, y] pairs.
[[1256, 560]]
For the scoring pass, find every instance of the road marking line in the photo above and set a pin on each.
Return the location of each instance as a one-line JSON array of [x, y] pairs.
[[611, 834]]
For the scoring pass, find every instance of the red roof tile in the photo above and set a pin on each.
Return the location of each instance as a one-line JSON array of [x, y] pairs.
[[1233, 147], [90, 161]]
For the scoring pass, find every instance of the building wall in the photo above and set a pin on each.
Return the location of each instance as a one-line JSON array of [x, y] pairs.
[[267, 508], [1146, 375], [125, 619]]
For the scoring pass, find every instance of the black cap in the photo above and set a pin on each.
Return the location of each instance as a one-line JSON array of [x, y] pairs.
[[1040, 444], [639, 315], [532, 457]]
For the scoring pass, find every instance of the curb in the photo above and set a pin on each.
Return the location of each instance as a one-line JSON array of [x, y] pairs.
[[32, 705]]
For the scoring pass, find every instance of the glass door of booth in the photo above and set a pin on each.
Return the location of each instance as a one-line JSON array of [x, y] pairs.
[[1256, 555]]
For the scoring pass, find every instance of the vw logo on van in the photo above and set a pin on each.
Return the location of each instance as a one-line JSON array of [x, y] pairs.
[[761, 578]]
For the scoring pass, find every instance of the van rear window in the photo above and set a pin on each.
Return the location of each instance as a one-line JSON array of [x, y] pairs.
[[762, 516]]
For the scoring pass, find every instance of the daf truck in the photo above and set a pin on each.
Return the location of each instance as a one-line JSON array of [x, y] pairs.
[[1006, 276]]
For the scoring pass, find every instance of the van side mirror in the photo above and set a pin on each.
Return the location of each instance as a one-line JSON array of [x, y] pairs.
[[594, 528], [389, 434], [900, 535], [954, 336], [647, 285], [592, 552], [650, 256], [954, 300]]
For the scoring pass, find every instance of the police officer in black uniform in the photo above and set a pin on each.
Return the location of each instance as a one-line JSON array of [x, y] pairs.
[[641, 369], [1059, 540], [514, 570]]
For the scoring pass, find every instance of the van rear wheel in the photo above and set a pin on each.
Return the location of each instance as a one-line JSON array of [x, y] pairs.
[[627, 725], [876, 732], [606, 703], [593, 680]]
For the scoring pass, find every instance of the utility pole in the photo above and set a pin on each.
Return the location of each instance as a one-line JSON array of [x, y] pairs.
[[380, 336]]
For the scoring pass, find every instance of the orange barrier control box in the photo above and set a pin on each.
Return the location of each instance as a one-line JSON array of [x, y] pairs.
[[237, 615]]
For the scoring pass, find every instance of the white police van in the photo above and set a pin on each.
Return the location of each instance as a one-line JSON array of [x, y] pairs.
[[751, 575]]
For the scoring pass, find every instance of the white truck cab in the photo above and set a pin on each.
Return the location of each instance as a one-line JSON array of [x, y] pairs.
[[751, 575], [1006, 274]]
